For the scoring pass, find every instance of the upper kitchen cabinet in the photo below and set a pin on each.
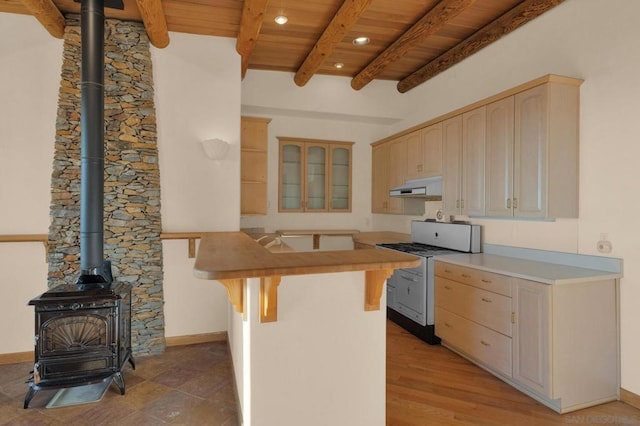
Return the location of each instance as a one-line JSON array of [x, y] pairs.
[[380, 178], [315, 176], [253, 165], [388, 170], [534, 173], [424, 152], [463, 163], [452, 165], [499, 164]]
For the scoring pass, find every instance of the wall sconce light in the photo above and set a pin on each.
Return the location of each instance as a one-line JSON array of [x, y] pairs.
[[215, 149]]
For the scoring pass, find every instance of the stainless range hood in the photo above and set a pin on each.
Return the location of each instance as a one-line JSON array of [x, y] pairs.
[[429, 189]]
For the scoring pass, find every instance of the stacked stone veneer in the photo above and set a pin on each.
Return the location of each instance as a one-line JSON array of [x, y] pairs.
[[132, 179]]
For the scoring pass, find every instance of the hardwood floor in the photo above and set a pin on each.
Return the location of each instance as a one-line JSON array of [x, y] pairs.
[[192, 385], [430, 385]]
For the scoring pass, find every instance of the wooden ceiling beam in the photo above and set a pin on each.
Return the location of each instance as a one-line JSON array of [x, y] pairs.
[[48, 15], [428, 25], [334, 33], [505, 24], [155, 22], [250, 25]]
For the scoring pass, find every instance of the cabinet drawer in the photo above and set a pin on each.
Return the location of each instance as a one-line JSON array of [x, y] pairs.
[[480, 343], [496, 283], [484, 307]]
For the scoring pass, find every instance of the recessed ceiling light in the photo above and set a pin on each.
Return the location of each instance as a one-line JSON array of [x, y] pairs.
[[338, 65], [359, 41], [281, 19]]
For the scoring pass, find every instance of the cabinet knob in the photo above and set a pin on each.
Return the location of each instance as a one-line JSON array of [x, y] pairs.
[[484, 343], [508, 203], [486, 281], [484, 299], [465, 276], [447, 287], [515, 203]]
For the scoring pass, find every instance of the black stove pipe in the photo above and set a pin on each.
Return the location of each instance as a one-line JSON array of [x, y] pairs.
[[92, 264]]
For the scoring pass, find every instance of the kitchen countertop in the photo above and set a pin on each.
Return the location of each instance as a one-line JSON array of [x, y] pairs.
[[373, 238], [233, 255], [544, 272]]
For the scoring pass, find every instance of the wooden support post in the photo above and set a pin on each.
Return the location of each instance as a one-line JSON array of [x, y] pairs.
[[235, 292], [374, 283], [269, 298]]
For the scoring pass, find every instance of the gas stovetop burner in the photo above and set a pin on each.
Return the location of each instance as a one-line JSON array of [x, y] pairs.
[[418, 249]]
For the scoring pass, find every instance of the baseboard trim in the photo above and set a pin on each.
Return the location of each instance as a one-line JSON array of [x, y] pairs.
[[16, 358], [196, 338], [630, 398]]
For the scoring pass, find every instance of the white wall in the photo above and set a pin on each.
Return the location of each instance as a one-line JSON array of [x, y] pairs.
[[591, 40], [29, 80], [197, 91], [197, 97], [322, 362]]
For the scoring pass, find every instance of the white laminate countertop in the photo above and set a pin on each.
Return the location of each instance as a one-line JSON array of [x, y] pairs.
[[544, 272]]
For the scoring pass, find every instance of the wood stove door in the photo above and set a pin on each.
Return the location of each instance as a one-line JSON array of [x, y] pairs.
[[76, 342]]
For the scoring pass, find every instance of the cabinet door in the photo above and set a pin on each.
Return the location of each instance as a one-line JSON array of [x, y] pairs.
[[380, 178], [530, 153], [253, 165], [531, 337], [397, 161], [316, 177], [291, 174], [451, 162], [473, 141], [499, 158], [432, 150], [340, 178], [415, 155]]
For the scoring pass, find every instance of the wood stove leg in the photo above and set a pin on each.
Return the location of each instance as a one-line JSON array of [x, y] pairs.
[[30, 394], [119, 382], [132, 362]]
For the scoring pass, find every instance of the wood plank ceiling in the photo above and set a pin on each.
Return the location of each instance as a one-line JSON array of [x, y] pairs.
[[410, 40]]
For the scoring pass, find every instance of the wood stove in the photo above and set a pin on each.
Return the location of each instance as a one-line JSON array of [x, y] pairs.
[[83, 330], [81, 337]]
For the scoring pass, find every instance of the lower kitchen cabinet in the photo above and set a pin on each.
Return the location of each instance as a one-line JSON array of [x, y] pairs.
[[558, 343]]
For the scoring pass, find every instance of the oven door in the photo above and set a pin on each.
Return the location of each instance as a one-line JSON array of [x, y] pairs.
[[411, 293]]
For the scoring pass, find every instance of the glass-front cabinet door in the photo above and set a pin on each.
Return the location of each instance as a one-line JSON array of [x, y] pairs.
[[315, 175], [291, 168], [340, 178]]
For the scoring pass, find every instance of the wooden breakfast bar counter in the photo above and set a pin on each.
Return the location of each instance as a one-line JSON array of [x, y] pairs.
[[306, 332], [230, 257]]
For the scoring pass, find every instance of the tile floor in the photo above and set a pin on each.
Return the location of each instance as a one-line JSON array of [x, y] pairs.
[[187, 385]]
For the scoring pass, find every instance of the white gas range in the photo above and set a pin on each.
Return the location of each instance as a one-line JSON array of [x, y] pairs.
[[410, 292]]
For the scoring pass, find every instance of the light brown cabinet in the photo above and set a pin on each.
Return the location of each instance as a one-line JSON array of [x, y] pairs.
[[555, 342], [463, 171], [534, 173], [424, 152], [514, 154], [315, 175], [380, 178], [253, 165], [388, 170]]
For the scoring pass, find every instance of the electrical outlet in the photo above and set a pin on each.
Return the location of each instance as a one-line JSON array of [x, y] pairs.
[[604, 245]]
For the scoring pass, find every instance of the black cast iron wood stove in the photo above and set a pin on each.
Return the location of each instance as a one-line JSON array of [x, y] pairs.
[[83, 330]]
